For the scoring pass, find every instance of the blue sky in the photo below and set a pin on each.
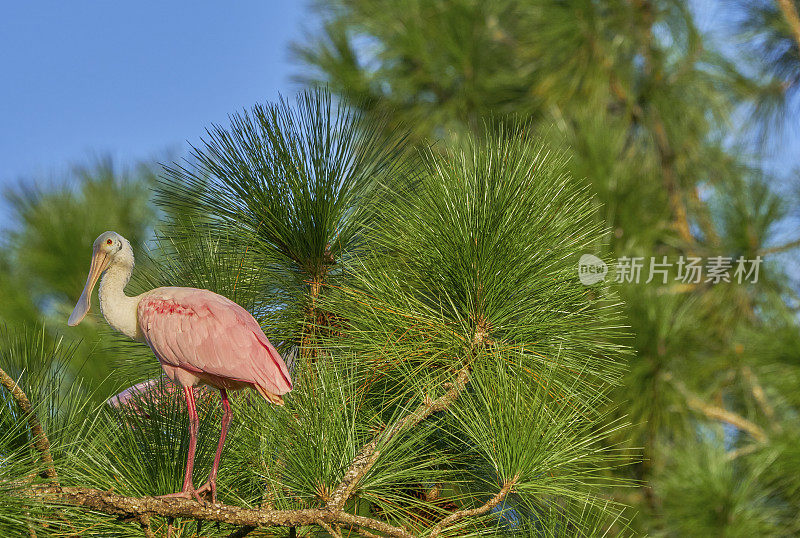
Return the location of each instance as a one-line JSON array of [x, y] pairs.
[[132, 79], [136, 80]]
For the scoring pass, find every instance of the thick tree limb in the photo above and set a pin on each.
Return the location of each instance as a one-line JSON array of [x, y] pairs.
[[472, 512], [370, 452], [40, 441], [145, 507], [718, 413]]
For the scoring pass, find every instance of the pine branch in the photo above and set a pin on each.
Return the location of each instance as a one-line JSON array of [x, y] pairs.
[[330, 530], [486, 507], [761, 397], [665, 155], [370, 452], [792, 18], [40, 441], [144, 521], [780, 248], [742, 451], [717, 413], [139, 508], [666, 158]]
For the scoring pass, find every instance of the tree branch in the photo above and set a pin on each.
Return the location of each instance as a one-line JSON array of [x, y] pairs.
[[40, 441], [780, 248], [669, 176], [791, 16], [666, 155], [717, 413], [486, 507], [366, 534], [666, 159], [761, 397], [742, 451], [145, 507], [330, 530], [370, 452], [144, 521], [332, 517]]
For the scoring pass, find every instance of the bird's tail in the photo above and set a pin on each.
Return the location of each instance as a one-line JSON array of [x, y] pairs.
[[274, 398]]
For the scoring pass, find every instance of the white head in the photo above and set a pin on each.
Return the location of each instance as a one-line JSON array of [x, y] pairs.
[[110, 249]]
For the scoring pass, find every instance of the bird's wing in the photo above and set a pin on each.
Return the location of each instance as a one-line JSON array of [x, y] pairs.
[[201, 331]]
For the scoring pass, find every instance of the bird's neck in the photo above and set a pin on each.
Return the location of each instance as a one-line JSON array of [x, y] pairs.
[[119, 309]]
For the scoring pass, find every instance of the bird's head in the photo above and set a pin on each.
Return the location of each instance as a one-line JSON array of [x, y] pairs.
[[108, 249]]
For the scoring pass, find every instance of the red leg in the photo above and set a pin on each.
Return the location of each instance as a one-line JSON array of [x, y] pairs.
[[194, 425], [227, 416]]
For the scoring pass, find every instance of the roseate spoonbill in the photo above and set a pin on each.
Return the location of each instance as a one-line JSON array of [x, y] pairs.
[[198, 336]]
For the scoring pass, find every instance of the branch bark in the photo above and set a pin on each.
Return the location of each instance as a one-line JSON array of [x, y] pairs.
[[330, 530], [138, 507], [485, 508], [370, 452], [40, 441]]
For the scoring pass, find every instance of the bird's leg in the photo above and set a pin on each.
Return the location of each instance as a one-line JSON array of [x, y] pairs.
[[227, 416], [188, 490]]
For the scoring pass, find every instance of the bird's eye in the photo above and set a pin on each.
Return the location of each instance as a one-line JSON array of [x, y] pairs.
[[109, 242]]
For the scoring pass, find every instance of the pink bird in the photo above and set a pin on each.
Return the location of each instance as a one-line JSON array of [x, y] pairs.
[[198, 336]]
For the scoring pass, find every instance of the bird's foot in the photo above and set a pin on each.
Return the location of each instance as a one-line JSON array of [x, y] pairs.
[[211, 486], [187, 493]]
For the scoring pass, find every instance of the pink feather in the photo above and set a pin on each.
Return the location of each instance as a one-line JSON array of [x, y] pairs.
[[201, 333]]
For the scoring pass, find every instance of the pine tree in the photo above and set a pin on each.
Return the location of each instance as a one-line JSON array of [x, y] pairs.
[[650, 108], [453, 374]]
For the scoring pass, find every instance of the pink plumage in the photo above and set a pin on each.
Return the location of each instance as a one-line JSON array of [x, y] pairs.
[[200, 336]]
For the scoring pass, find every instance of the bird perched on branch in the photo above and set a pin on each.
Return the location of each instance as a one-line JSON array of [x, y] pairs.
[[198, 336]]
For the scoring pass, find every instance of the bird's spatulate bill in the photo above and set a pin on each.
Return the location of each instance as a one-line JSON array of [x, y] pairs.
[[99, 264]]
